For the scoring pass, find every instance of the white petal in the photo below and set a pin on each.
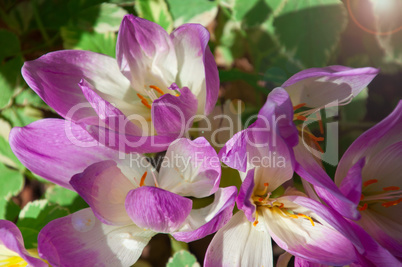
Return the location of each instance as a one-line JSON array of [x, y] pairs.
[[239, 243]]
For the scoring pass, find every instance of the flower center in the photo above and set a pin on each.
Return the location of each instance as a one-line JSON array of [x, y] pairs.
[[142, 181], [264, 201], [389, 196], [151, 95], [302, 116], [14, 261]]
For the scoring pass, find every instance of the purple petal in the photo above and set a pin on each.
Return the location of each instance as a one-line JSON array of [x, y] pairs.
[[318, 243], [145, 53], [308, 169], [243, 200], [386, 230], [106, 112], [330, 216], [128, 143], [56, 149], [55, 77], [382, 135], [299, 262], [80, 239], [211, 218], [172, 115], [197, 67], [239, 243], [351, 186], [190, 168], [11, 238], [156, 209], [373, 252], [104, 187], [318, 87], [263, 139]]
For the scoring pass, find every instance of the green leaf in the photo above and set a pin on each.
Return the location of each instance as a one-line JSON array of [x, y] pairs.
[[11, 182], [65, 198], [156, 11], [194, 11], [10, 78], [103, 18], [29, 97], [34, 216], [310, 30], [104, 43], [9, 43], [21, 116], [183, 258], [356, 110], [8, 209], [7, 156]]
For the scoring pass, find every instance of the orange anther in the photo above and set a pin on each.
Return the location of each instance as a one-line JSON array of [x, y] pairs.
[[260, 199], [143, 179], [301, 118], [321, 126], [266, 184], [361, 197], [363, 208], [144, 101], [318, 146], [391, 203], [391, 188], [255, 223], [319, 139], [281, 205], [369, 182], [156, 88], [299, 106]]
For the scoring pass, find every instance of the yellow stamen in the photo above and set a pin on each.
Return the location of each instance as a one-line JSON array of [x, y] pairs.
[[143, 179], [369, 182], [256, 219], [307, 217], [391, 188], [156, 88]]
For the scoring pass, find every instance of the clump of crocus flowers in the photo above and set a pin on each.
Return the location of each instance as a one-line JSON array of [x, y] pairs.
[[145, 101]]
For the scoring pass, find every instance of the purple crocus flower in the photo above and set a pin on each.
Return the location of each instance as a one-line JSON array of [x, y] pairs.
[[298, 224], [370, 175], [140, 101], [275, 130], [12, 250], [130, 202]]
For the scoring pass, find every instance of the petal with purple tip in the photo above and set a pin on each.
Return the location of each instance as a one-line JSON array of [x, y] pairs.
[[57, 149], [104, 187], [157, 209], [317, 87], [145, 54], [55, 77], [197, 67], [190, 168], [12, 244], [172, 115], [80, 239], [207, 220]]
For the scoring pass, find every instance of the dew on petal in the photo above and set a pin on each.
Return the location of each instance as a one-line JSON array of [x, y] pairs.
[[83, 222]]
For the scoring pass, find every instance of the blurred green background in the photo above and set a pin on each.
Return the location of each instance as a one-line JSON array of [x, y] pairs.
[[258, 44]]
